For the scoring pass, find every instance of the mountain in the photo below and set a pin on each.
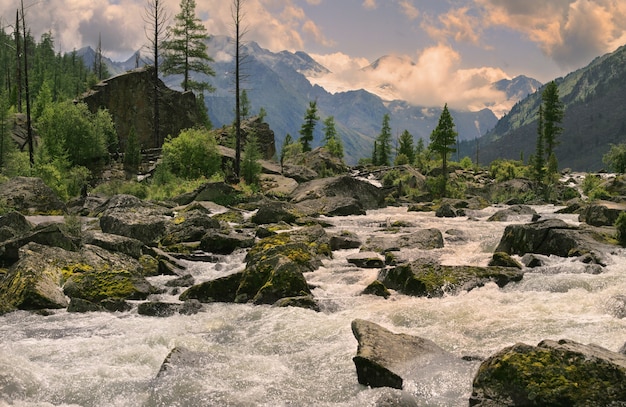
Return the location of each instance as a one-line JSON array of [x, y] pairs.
[[278, 82], [593, 97]]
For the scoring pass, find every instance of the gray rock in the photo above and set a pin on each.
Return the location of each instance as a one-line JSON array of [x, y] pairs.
[[515, 210], [29, 195], [367, 260]]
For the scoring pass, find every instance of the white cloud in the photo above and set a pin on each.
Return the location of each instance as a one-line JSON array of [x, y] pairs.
[[370, 4], [409, 9], [434, 79]]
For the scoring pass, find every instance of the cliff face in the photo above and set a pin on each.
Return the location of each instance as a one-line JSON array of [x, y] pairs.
[[129, 98]]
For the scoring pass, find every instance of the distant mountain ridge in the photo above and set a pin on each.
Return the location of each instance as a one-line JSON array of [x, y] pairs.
[[278, 82], [594, 98]]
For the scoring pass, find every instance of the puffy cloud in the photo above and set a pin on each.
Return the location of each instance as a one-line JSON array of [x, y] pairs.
[[571, 32], [434, 79], [370, 4], [409, 9], [458, 23]]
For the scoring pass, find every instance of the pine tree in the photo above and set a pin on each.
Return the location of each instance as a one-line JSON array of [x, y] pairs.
[[331, 138], [443, 137], [406, 146], [245, 104], [552, 117], [383, 140], [250, 166], [283, 151], [186, 51], [539, 159], [306, 131]]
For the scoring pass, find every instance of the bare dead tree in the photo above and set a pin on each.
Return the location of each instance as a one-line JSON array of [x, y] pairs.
[[238, 17], [18, 61], [156, 18], [29, 127]]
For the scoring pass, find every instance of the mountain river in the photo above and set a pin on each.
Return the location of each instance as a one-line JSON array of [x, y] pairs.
[[266, 356]]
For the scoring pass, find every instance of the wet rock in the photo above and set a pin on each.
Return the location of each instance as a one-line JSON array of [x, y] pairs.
[[300, 173], [81, 306], [344, 240], [183, 281], [189, 226], [532, 260], [221, 243], [601, 215], [563, 373], [385, 359], [377, 288], [433, 280], [446, 211], [223, 289], [424, 239], [303, 301], [31, 196], [157, 309], [114, 243], [367, 260], [275, 212], [128, 216], [16, 222], [552, 237], [48, 234], [504, 260], [513, 211]]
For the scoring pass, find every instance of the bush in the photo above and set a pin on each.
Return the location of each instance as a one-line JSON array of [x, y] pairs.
[[615, 159], [620, 225], [505, 170], [192, 154], [250, 166]]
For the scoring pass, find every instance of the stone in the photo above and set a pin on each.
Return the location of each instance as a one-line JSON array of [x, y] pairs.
[[221, 243], [344, 240], [303, 301], [433, 280], [601, 214], [504, 260], [367, 260], [423, 239], [223, 289], [31, 196], [446, 211], [377, 288], [275, 212], [513, 211], [563, 373], [367, 195], [114, 243], [188, 226]]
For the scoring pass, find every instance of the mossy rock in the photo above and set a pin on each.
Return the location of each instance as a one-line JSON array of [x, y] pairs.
[[98, 285], [286, 280], [563, 373], [504, 260], [223, 289], [377, 288]]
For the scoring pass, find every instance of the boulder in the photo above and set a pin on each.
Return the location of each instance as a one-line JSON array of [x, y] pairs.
[[31, 196], [189, 226], [299, 173], [552, 237], [446, 211], [16, 222], [385, 359], [377, 288], [318, 161], [34, 282], [222, 243], [504, 260], [367, 260], [97, 285], [513, 211], [223, 289], [563, 373], [81, 306], [331, 206], [601, 214], [275, 212], [114, 243], [423, 239], [48, 234], [344, 240], [133, 218], [167, 309], [433, 280], [362, 192], [303, 301]]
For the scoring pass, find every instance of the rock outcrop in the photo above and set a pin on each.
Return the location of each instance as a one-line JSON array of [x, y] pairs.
[[31, 196], [563, 373], [129, 98]]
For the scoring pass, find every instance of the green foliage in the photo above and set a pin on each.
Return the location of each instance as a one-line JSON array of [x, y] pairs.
[[401, 159], [553, 167], [591, 186], [332, 141], [538, 161], [283, 150], [193, 154], [620, 225], [552, 116], [504, 170], [244, 104], [185, 50], [421, 156], [250, 166], [615, 159], [443, 137], [405, 146], [6, 144], [466, 163], [306, 131], [71, 130], [382, 146]]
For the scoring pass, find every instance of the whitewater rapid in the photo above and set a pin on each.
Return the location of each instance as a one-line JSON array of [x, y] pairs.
[[265, 356]]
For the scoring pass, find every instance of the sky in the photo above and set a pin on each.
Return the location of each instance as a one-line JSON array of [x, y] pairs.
[[437, 51]]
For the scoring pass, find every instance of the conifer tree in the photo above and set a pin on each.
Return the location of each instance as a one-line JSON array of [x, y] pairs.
[[250, 166], [383, 143], [443, 138], [552, 117], [306, 131], [539, 159], [406, 146], [331, 138], [186, 50]]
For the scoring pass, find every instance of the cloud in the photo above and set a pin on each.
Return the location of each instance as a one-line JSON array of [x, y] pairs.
[[370, 4], [458, 23], [435, 78], [409, 9], [571, 32]]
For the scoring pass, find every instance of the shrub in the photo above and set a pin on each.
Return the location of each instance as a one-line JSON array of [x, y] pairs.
[[192, 154], [615, 159]]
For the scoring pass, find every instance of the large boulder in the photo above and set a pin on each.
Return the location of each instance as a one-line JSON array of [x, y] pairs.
[[128, 216], [223, 289], [13, 224], [423, 239], [31, 196], [563, 373], [602, 214], [553, 237], [504, 215], [129, 98], [189, 226], [317, 162], [225, 243], [271, 211], [385, 359], [48, 234], [433, 280], [336, 194], [114, 243]]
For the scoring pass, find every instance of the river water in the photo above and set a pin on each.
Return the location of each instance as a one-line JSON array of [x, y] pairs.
[[264, 356]]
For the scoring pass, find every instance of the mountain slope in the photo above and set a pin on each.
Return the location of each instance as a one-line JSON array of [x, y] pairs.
[[277, 82], [594, 98]]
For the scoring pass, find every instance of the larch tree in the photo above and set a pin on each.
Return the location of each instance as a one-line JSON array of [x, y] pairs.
[[383, 142], [185, 50], [306, 131], [443, 138], [156, 18], [552, 117]]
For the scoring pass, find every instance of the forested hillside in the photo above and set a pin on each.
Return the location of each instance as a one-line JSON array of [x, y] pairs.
[[594, 98]]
